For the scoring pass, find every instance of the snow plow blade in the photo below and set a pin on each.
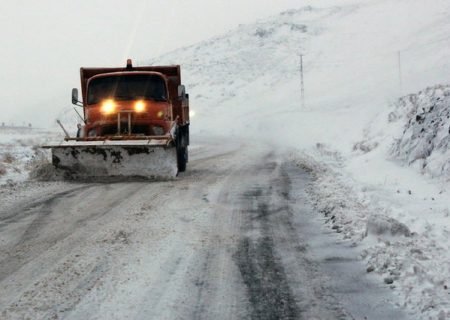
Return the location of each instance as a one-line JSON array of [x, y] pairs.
[[105, 160]]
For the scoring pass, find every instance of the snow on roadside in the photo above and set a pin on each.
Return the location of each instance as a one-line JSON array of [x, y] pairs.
[[396, 215], [412, 263], [20, 153]]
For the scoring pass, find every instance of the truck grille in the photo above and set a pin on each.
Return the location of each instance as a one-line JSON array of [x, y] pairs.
[[135, 129]]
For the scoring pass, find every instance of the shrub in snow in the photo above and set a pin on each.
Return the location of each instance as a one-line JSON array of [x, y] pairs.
[[383, 225], [8, 158], [297, 27], [263, 33], [425, 138], [365, 146], [43, 172], [40, 166]]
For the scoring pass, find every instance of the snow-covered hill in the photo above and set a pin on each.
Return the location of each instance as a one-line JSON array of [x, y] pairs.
[[247, 82], [244, 76]]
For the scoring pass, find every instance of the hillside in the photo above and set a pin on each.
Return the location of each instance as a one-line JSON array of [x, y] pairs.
[[249, 79]]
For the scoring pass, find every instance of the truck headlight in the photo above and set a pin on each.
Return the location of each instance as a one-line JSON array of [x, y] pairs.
[[139, 106], [108, 106], [92, 133]]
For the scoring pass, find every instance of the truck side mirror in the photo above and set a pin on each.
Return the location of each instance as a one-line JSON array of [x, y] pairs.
[[75, 96], [181, 91]]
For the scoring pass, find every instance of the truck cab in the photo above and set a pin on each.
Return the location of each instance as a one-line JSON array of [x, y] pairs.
[[140, 97], [135, 103]]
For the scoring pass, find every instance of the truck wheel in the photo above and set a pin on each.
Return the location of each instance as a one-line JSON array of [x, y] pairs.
[[182, 154]]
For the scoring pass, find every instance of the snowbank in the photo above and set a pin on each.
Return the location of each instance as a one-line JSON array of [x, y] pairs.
[[20, 153], [412, 262]]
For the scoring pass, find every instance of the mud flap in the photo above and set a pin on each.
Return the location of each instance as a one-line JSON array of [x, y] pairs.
[[115, 161]]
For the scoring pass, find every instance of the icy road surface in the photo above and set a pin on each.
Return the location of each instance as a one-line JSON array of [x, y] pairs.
[[232, 238]]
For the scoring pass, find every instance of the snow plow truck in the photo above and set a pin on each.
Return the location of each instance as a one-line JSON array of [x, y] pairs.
[[135, 123]]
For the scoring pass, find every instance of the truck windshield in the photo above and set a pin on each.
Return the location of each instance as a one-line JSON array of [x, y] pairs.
[[127, 87]]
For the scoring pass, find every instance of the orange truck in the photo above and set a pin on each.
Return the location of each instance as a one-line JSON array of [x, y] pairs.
[[135, 123]]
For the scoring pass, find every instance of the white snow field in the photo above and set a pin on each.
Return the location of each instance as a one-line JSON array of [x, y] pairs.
[[370, 141]]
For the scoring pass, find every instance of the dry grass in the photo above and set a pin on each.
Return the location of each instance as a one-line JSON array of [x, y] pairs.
[[8, 158], [40, 165]]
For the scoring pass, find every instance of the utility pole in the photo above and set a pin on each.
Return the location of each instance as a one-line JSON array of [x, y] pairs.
[[302, 84], [400, 80]]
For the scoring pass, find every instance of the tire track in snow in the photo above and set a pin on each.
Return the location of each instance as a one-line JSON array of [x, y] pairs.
[[23, 210], [271, 255], [44, 232], [263, 274], [269, 293]]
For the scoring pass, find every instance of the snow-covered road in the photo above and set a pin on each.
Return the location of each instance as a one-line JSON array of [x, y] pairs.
[[234, 237]]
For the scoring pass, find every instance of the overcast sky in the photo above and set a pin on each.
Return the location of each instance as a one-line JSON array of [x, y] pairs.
[[44, 43]]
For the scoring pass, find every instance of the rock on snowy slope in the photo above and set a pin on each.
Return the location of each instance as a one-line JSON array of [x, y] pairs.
[[425, 140], [379, 224]]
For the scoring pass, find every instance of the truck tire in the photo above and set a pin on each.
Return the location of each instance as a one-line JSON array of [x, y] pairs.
[[182, 142]]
